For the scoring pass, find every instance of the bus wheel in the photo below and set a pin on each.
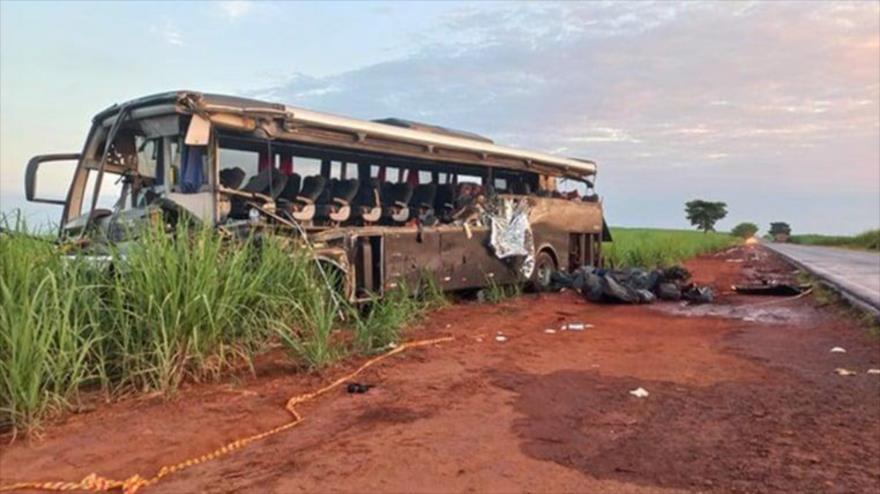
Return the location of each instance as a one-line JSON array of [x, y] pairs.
[[545, 266]]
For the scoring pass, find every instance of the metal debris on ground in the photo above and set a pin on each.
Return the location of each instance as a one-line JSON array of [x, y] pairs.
[[634, 285], [873, 371], [639, 393], [772, 288], [844, 372], [358, 388], [501, 338], [838, 349], [550, 331]]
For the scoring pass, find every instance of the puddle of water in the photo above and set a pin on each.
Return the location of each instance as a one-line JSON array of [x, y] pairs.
[[762, 315]]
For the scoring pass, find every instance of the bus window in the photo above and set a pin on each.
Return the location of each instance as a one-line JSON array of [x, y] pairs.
[[500, 185], [246, 161], [571, 188], [306, 167], [425, 177], [108, 196], [473, 179]]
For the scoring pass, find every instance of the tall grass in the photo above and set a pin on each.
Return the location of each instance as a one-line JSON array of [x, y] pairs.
[[650, 247], [318, 311], [187, 305], [49, 332], [869, 240], [169, 308]]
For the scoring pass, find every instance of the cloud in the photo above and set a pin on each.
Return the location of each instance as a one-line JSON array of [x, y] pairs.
[[169, 33], [234, 9], [730, 93]]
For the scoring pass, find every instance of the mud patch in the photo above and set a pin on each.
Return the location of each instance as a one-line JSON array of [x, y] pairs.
[[727, 437], [759, 313], [391, 415]]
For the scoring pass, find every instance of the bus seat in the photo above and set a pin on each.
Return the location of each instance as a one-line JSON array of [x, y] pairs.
[[395, 201], [291, 189], [261, 183], [520, 188], [367, 204], [303, 207], [268, 182], [231, 178], [289, 192], [444, 202], [422, 201], [337, 204]]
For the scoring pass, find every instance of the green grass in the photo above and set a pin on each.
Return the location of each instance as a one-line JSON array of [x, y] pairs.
[[495, 292], [49, 332], [869, 240], [649, 247], [169, 308]]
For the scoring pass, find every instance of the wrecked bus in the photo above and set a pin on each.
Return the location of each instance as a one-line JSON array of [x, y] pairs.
[[382, 202]]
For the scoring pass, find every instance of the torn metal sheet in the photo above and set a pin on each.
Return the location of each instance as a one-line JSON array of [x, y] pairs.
[[511, 233], [772, 289]]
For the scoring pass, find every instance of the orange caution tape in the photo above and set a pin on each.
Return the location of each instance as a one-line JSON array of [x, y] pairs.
[[95, 483]]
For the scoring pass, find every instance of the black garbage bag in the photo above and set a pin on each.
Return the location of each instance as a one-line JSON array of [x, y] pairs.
[[698, 294], [633, 286], [668, 291], [676, 273]]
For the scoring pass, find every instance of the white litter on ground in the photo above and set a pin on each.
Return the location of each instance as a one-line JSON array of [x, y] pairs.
[[838, 349], [550, 331], [873, 371], [576, 326], [844, 372], [501, 338], [639, 392]]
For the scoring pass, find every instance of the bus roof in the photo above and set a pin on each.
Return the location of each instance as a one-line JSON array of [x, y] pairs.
[[438, 143]]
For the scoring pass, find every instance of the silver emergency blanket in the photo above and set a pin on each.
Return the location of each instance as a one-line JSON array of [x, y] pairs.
[[511, 233]]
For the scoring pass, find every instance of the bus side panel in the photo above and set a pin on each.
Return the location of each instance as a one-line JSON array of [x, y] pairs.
[[566, 226], [470, 262], [408, 255]]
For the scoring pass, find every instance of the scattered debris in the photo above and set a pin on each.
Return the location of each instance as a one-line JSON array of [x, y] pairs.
[[772, 288], [639, 392], [873, 371], [550, 331], [501, 338], [634, 285], [358, 388], [844, 372], [838, 349]]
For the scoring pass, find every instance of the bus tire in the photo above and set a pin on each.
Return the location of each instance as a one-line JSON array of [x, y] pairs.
[[545, 266]]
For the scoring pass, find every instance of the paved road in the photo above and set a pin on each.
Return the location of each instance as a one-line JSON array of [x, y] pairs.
[[855, 272]]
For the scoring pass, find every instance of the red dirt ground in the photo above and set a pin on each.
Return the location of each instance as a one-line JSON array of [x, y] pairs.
[[743, 398]]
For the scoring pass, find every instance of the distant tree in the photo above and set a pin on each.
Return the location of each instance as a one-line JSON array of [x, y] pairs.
[[704, 214], [780, 228], [745, 230]]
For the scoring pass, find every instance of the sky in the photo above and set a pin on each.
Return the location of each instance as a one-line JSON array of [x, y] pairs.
[[773, 108]]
